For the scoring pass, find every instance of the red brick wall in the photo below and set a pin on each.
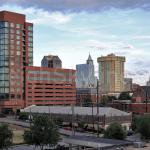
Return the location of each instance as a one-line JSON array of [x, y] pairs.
[[50, 92]]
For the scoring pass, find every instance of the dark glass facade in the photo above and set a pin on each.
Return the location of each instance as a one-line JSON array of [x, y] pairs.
[[4, 60]]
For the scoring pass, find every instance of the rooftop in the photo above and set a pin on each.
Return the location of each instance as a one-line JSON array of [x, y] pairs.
[[50, 57], [107, 111], [91, 141]]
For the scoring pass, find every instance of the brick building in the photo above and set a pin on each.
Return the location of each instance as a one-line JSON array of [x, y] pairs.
[[84, 94], [50, 86], [141, 94], [16, 52], [21, 84], [135, 108], [139, 104]]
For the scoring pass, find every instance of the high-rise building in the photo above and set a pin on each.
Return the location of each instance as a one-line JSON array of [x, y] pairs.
[[22, 84], [86, 82], [16, 52], [148, 82], [86, 75], [128, 84], [51, 61], [111, 74]]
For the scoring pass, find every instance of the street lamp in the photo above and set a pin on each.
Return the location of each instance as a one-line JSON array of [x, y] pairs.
[[97, 108]]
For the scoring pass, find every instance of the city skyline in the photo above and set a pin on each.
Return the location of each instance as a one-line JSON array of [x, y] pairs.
[[66, 30]]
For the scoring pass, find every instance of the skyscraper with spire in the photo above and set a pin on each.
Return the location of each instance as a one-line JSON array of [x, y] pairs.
[[86, 83], [85, 74]]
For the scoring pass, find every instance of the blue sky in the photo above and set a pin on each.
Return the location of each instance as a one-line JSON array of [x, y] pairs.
[[73, 30]]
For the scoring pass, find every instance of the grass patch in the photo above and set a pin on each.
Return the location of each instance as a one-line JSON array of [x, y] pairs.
[[18, 132], [18, 136]]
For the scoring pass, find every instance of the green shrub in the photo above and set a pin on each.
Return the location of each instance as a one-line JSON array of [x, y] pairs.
[[23, 116], [143, 127], [115, 131]]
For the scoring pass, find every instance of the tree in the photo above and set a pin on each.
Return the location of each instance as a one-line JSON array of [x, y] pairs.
[[59, 122], [87, 102], [23, 116], [135, 122], [124, 96], [42, 133], [143, 127], [104, 100], [81, 124], [5, 136], [115, 131]]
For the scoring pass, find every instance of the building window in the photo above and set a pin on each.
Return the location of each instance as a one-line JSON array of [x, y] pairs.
[[12, 46], [18, 37], [12, 90], [12, 25], [30, 28], [12, 52], [12, 31], [30, 34], [6, 30], [30, 44], [18, 53], [18, 25], [12, 36], [17, 31], [11, 63], [30, 49], [30, 39], [18, 47], [11, 41], [18, 42], [18, 89], [30, 54]]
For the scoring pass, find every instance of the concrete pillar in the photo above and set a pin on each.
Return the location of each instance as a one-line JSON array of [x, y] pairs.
[[70, 146], [78, 147]]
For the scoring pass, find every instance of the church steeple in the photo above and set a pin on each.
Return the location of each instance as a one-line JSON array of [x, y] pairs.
[[89, 60]]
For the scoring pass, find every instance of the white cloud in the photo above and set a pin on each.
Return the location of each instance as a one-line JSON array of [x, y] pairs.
[[40, 16], [80, 31], [83, 31], [45, 18], [108, 45], [139, 76]]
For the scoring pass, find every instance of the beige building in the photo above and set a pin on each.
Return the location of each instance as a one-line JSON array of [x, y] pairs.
[[111, 74]]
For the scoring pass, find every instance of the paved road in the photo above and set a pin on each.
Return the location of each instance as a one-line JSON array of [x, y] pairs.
[[27, 125], [23, 147], [15, 122]]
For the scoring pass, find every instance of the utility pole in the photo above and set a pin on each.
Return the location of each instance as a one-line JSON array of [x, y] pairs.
[[49, 111], [97, 108], [92, 116], [73, 130], [30, 118], [146, 101]]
